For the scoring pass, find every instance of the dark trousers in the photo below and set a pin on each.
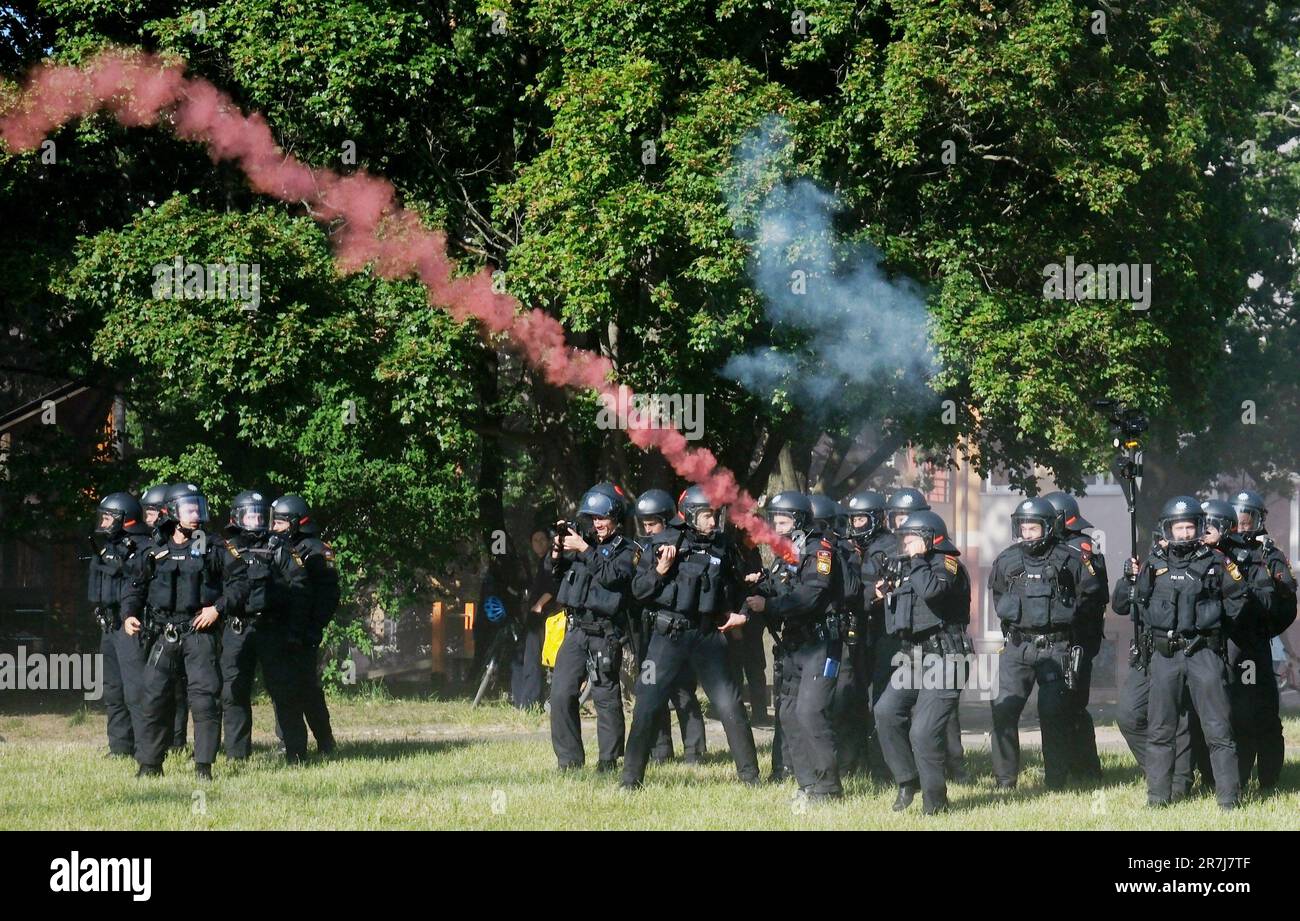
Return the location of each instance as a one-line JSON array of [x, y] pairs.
[[566, 687], [748, 661], [240, 655], [1081, 737], [202, 680], [1256, 716], [782, 762], [690, 718], [1131, 718], [955, 755], [851, 712], [123, 664], [881, 654], [314, 709], [913, 726], [178, 711], [807, 700], [668, 655], [1202, 677], [1019, 669], [527, 680]]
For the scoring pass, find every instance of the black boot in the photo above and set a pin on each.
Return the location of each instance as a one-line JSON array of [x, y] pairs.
[[934, 803], [203, 771], [149, 770], [906, 793]]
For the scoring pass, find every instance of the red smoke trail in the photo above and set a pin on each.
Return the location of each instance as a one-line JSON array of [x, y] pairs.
[[138, 88]]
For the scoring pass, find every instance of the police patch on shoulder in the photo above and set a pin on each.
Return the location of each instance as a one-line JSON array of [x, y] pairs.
[[1162, 570], [950, 564], [233, 551], [1087, 561], [159, 554], [636, 556], [824, 562]]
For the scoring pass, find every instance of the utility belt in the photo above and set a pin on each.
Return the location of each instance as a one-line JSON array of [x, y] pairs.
[[1169, 643], [592, 624], [938, 641], [1018, 637], [826, 629], [674, 623]]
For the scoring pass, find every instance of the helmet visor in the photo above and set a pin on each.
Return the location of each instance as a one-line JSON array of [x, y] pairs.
[[252, 517], [190, 509], [1185, 530], [1248, 518]]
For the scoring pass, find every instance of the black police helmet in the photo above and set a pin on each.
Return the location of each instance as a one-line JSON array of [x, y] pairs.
[[251, 511], [1068, 518], [824, 511], [869, 504], [792, 503], [182, 496], [1250, 503], [1219, 515], [1182, 509], [294, 509], [903, 502], [1034, 510], [930, 527], [123, 511]]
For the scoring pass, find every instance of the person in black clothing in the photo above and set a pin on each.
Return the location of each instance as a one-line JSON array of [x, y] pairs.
[[527, 679]]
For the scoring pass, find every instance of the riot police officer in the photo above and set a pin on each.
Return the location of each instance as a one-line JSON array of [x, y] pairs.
[[594, 565], [1084, 762], [1039, 585], [120, 541], [689, 587], [177, 599], [802, 614], [254, 635], [850, 714], [153, 501], [655, 510], [1134, 696], [305, 565], [876, 546], [1256, 720], [1191, 597], [925, 592]]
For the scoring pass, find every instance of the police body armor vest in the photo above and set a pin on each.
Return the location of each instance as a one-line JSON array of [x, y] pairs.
[[1185, 595], [908, 613], [580, 590], [179, 584], [261, 589], [850, 567], [111, 570], [696, 586], [1041, 594]]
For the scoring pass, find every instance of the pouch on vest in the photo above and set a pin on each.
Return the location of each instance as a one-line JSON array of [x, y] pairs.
[[1036, 603]]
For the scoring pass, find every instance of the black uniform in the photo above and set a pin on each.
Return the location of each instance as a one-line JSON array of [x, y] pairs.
[[1190, 601], [812, 649], [1253, 693], [527, 679], [682, 610], [116, 563], [926, 614], [1081, 736], [175, 582], [851, 708], [1134, 696], [1038, 598], [310, 598], [746, 650], [681, 696], [594, 588], [777, 581], [272, 631], [178, 713]]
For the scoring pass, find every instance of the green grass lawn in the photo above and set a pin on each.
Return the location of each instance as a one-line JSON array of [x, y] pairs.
[[430, 764]]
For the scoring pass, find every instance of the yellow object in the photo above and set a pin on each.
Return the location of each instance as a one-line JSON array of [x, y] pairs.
[[555, 626]]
